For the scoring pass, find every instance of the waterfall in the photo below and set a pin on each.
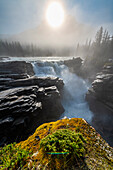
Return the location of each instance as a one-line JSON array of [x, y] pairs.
[[75, 88]]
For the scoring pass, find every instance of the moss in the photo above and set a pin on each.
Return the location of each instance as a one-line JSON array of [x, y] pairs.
[[13, 157], [64, 146], [98, 155], [97, 150]]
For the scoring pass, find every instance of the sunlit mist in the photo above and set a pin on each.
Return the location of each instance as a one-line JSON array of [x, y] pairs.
[[55, 14]]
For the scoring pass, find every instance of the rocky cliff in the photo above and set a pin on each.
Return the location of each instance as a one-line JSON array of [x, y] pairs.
[[74, 65], [102, 86], [26, 101]]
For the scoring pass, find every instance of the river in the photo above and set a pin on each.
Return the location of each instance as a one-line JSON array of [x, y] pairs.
[[73, 96]]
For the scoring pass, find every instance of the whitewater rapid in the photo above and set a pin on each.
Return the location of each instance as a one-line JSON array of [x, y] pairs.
[[75, 88]]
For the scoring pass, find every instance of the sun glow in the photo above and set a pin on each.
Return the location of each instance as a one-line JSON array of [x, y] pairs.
[[55, 14]]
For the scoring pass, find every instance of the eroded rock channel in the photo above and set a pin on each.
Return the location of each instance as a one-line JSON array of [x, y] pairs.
[[32, 93]]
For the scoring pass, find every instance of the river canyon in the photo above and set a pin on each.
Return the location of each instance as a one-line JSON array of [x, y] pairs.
[[72, 94]]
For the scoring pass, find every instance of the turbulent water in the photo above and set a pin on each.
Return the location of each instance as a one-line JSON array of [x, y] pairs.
[[31, 59], [74, 91], [75, 88]]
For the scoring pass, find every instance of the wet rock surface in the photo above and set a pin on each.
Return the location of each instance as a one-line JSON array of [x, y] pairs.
[[74, 65], [26, 101]]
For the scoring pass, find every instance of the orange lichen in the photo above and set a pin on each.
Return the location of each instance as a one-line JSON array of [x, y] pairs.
[[96, 155]]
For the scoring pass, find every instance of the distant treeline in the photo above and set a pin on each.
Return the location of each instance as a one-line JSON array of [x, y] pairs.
[[22, 50], [96, 53]]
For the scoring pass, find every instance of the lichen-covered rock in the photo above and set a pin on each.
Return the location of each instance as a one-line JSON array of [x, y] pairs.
[[98, 155]]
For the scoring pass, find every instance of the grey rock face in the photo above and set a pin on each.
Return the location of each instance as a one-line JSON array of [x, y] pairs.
[[39, 81], [16, 67], [26, 101], [74, 65], [102, 86], [17, 101], [10, 71]]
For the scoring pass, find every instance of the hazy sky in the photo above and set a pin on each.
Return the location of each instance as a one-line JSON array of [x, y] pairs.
[[19, 15]]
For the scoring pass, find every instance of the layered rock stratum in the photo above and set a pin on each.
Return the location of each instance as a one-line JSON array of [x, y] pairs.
[[26, 101], [102, 86]]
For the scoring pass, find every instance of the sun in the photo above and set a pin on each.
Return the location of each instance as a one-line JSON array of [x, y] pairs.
[[55, 14]]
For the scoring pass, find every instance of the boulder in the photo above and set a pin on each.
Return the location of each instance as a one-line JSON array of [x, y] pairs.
[[50, 99], [74, 65]]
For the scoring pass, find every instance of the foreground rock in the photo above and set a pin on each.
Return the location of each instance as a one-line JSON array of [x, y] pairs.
[[23, 109], [18, 101], [102, 86], [98, 155], [26, 101]]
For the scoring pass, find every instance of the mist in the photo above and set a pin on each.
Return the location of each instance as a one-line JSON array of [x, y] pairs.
[[68, 35], [30, 29], [75, 88]]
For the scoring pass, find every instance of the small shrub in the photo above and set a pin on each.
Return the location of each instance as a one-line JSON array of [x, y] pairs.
[[12, 157], [62, 148]]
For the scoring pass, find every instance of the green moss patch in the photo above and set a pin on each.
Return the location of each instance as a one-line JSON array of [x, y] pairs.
[[95, 153], [66, 144], [13, 157]]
